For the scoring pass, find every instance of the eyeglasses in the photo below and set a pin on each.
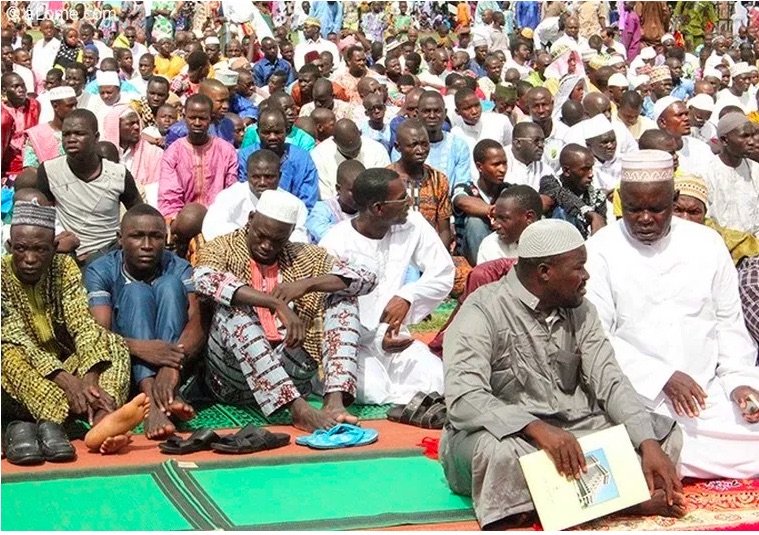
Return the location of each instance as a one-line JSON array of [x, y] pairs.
[[403, 199], [536, 140], [378, 107]]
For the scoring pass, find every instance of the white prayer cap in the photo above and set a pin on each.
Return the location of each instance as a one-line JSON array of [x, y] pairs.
[[107, 78], [739, 68], [667, 37], [211, 41], [479, 41], [639, 80], [616, 59], [702, 101], [549, 237], [392, 45], [279, 205], [647, 166], [662, 104], [596, 126], [226, 77], [648, 52], [618, 80], [752, 68], [711, 72], [61, 93], [730, 122]]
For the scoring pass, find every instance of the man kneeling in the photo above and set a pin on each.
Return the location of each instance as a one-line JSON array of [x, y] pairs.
[[145, 294], [527, 366], [266, 336]]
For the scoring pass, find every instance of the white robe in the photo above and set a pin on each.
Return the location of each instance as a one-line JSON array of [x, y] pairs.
[[674, 306], [395, 377], [519, 173], [734, 194], [695, 156], [490, 126], [327, 159], [230, 210]]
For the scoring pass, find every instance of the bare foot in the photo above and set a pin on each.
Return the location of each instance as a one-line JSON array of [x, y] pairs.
[[181, 410], [118, 423], [658, 506], [307, 418], [158, 426], [114, 444], [333, 406]]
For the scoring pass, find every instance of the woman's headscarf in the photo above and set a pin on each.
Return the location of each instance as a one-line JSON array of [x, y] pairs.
[[567, 85], [559, 67]]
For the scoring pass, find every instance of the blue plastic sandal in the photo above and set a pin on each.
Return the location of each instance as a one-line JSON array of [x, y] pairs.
[[340, 436]]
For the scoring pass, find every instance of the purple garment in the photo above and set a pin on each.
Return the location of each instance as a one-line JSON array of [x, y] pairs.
[[631, 35]]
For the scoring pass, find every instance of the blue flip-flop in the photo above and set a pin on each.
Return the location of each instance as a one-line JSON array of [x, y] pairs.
[[340, 436]]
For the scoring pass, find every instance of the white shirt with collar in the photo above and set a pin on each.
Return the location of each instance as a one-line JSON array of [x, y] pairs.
[[519, 173], [44, 54]]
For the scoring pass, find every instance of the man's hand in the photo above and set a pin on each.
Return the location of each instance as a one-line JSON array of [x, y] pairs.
[[561, 446], [296, 331], [395, 312], [66, 242], [742, 396], [158, 353], [395, 345], [288, 292], [596, 222], [79, 395], [685, 394], [656, 465], [165, 383]]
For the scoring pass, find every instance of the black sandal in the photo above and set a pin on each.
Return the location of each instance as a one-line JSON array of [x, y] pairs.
[[200, 440], [413, 412], [250, 439]]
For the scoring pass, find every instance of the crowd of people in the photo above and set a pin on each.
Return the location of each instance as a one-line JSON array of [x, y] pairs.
[[251, 202]]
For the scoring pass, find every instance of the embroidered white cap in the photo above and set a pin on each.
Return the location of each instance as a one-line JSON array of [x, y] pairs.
[[227, 77], [279, 205], [549, 237], [61, 93], [647, 166], [739, 68]]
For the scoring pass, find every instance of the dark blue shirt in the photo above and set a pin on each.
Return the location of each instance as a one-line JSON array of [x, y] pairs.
[[263, 69], [297, 172], [224, 129], [242, 106]]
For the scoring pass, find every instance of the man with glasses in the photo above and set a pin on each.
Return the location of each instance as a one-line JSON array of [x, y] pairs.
[[524, 155], [374, 126], [386, 238]]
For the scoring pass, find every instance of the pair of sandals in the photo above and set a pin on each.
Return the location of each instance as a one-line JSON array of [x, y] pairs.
[[28, 443], [249, 439], [427, 411]]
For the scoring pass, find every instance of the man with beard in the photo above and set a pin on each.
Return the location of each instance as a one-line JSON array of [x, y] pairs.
[[524, 156], [513, 385]]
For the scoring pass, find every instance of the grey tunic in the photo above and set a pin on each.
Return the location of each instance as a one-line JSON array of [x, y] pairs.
[[508, 364]]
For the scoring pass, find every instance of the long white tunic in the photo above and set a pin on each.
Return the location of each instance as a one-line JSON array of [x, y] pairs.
[[695, 156], [674, 306], [327, 159], [395, 377], [734, 194]]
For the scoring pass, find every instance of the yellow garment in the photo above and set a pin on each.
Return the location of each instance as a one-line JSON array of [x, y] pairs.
[[169, 67], [740, 244]]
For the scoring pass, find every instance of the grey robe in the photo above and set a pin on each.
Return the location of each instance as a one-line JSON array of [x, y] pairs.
[[507, 365]]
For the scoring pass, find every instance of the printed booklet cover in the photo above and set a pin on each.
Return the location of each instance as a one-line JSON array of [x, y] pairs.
[[614, 481]]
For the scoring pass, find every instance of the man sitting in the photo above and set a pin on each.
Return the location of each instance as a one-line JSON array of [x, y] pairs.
[[145, 294], [260, 350], [514, 209], [575, 198], [57, 361], [525, 164], [666, 292], [527, 367], [393, 367], [329, 212], [232, 207]]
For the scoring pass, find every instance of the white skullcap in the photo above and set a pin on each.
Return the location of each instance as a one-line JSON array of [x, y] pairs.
[[739, 68], [212, 41], [647, 166], [392, 46], [639, 80], [279, 205], [702, 101], [730, 122], [596, 126], [752, 68], [648, 52], [667, 37], [226, 76], [107, 78], [61, 93], [662, 104], [479, 41], [711, 72], [618, 80], [615, 60], [549, 237]]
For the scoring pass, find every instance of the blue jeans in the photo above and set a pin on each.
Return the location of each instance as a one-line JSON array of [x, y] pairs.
[[156, 311], [475, 230]]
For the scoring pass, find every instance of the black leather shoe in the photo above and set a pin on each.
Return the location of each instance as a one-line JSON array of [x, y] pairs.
[[20, 444], [54, 443]]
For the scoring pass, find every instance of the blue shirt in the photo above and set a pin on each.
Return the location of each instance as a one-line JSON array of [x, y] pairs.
[[527, 14], [224, 129], [94, 88], [263, 69], [320, 219], [398, 119], [381, 136], [451, 156], [105, 278], [297, 173], [684, 90], [242, 106], [330, 16], [648, 108]]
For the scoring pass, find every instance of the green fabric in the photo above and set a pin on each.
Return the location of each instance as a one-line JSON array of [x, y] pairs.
[[332, 494], [113, 503]]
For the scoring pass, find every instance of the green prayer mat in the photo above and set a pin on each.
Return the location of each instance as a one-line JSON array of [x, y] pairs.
[[354, 490]]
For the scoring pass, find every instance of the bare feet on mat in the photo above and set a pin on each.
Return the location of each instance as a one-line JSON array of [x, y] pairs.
[[117, 425], [658, 506], [181, 410], [158, 426], [334, 407], [114, 444], [307, 418]]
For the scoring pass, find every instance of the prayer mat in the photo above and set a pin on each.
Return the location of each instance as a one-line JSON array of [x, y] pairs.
[[356, 490]]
